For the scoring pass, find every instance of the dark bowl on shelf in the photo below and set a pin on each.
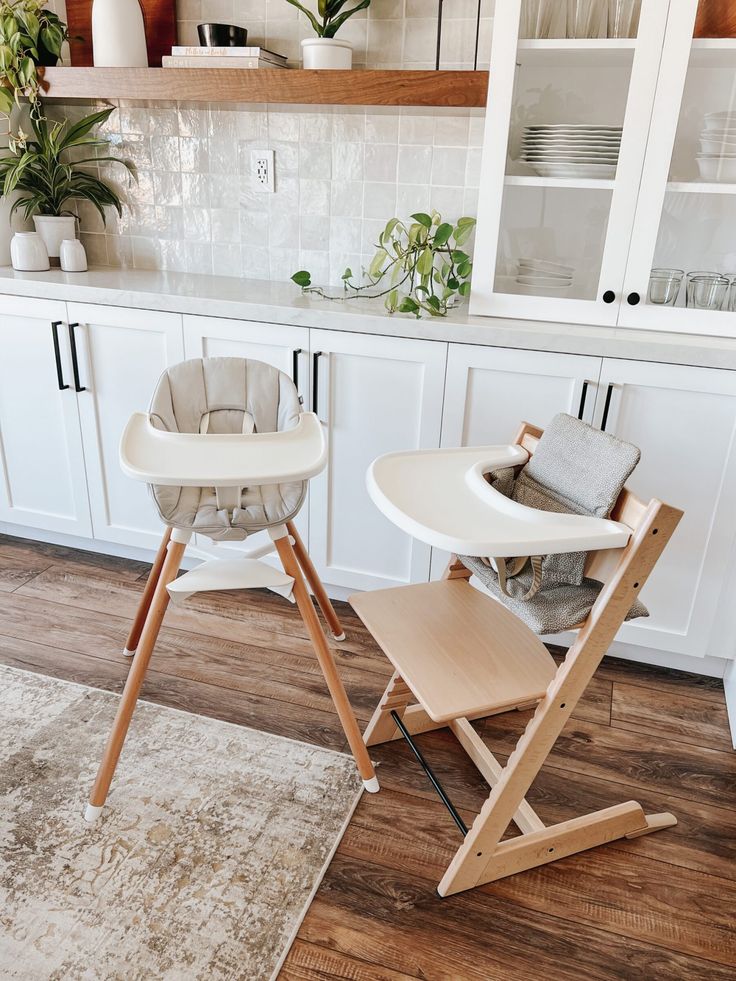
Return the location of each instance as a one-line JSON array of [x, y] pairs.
[[222, 36]]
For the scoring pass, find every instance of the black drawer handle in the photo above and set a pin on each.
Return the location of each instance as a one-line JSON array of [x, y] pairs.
[[295, 366], [632, 299], [75, 361], [315, 381], [583, 396], [57, 355], [606, 407], [609, 296]]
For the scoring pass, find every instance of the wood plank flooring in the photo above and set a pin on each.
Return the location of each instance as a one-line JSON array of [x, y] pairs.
[[658, 907]]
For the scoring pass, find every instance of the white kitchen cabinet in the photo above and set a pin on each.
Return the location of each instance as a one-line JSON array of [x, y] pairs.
[[684, 421], [121, 354], [375, 395], [41, 457]]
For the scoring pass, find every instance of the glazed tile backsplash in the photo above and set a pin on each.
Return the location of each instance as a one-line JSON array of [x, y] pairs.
[[340, 173]]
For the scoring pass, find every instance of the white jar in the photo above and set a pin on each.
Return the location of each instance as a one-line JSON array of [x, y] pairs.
[[28, 252], [73, 257], [327, 52], [53, 229], [118, 34]]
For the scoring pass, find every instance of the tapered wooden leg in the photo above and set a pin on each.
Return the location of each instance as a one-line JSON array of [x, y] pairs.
[[327, 663], [315, 584], [145, 604], [160, 601]]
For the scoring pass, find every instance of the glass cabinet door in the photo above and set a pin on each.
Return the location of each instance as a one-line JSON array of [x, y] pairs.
[[682, 263], [566, 132]]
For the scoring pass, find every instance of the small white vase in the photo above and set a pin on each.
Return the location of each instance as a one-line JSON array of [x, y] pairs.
[[327, 52], [118, 34], [53, 230], [28, 252], [72, 255]]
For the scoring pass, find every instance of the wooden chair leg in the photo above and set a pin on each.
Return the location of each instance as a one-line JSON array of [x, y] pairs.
[[315, 584], [382, 728], [175, 552], [327, 664], [145, 604]]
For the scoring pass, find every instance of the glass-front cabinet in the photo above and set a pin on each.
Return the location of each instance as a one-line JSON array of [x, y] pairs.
[[608, 193]]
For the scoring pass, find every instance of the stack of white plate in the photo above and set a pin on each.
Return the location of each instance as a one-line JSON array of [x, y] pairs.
[[574, 150], [543, 276], [717, 157]]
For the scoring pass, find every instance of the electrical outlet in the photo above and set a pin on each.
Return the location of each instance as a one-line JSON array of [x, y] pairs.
[[261, 168]]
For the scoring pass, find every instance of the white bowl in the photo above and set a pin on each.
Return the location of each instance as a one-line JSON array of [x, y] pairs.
[[555, 282], [717, 168], [709, 148], [720, 120], [547, 264]]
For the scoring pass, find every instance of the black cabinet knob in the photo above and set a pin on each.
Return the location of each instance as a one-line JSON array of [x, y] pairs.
[[609, 296], [632, 299]]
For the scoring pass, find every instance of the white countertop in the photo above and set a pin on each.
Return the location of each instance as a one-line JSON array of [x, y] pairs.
[[282, 303]]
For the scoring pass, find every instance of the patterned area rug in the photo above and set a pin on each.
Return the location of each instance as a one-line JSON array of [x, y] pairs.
[[208, 853]]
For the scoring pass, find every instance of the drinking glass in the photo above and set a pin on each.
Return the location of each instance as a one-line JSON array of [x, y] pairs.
[[706, 292], [587, 18], [664, 286], [731, 302], [623, 17], [542, 19]]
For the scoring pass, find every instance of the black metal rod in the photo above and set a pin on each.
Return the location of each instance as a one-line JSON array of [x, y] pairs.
[[606, 407], [57, 355], [583, 394], [439, 33], [75, 362], [477, 36], [430, 774]]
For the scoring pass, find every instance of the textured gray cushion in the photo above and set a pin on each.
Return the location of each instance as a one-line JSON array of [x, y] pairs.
[[213, 395]]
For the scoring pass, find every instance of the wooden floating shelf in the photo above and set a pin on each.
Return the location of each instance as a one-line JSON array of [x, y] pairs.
[[456, 89]]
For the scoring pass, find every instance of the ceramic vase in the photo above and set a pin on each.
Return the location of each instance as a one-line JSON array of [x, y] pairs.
[[118, 34], [72, 255], [53, 230], [327, 52], [28, 252]]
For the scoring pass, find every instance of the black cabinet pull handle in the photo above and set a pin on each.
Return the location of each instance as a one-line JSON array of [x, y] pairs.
[[606, 407], [632, 299], [75, 362], [609, 296], [583, 396], [295, 366], [57, 355], [315, 381]]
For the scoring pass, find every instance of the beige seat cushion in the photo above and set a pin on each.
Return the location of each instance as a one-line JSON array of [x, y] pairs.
[[226, 395]]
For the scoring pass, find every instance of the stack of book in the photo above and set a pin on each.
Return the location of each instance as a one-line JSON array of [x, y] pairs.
[[184, 56]]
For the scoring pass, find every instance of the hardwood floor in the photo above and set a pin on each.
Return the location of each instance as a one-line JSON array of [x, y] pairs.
[[658, 907]]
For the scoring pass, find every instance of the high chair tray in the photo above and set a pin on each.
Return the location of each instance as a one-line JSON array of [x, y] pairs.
[[442, 498], [222, 459], [459, 651]]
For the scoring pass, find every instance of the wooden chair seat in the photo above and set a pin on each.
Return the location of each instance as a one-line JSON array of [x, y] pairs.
[[460, 652]]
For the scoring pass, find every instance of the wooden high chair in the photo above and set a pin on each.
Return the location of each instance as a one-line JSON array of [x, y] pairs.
[[460, 655]]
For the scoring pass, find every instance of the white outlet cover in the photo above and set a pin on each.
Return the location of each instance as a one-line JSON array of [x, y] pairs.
[[262, 171]]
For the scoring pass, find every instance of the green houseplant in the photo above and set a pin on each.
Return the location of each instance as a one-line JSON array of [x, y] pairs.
[[324, 50], [419, 267], [50, 169], [30, 37]]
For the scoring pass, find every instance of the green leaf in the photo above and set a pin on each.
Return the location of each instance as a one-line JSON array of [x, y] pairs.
[[409, 305], [376, 267], [433, 302], [348, 274], [425, 263], [6, 101], [423, 219], [338, 21], [462, 233], [464, 269], [464, 289], [442, 235], [466, 222], [392, 301], [317, 27], [453, 284], [302, 278]]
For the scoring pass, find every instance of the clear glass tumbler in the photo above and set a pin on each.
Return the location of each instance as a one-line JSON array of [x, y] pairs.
[[664, 286], [587, 18], [706, 291], [623, 17]]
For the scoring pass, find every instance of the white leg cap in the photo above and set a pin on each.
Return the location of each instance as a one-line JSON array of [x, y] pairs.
[[339, 636], [91, 813], [372, 785], [127, 653]]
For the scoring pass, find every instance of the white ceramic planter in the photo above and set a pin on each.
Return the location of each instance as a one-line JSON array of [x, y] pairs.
[[28, 252], [53, 230], [73, 257], [327, 52], [118, 34]]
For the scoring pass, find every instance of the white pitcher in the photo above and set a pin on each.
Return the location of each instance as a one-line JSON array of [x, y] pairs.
[[118, 34]]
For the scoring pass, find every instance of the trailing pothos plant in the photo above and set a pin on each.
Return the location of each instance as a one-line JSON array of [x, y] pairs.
[[419, 266], [41, 169], [30, 36], [330, 15]]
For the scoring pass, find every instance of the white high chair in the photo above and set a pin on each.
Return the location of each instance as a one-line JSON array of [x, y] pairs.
[[227, 452], [461, 655]]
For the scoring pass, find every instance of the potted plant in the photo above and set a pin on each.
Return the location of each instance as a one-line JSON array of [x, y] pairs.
[[325, 51], [40, 168], [30, 37]]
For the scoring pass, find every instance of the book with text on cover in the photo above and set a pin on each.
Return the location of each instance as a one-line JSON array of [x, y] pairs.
[[169, 61], [253, 51]]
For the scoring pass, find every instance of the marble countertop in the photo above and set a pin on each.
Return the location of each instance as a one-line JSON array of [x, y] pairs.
[[282, 303]]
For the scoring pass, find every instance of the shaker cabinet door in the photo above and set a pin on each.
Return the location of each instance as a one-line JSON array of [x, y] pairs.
[[42, 477], [121, 353]]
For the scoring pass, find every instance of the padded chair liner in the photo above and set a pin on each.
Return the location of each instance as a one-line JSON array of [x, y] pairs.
[[226, 395]]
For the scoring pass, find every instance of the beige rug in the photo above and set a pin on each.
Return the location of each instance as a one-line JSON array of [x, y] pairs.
[[206, 858]]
